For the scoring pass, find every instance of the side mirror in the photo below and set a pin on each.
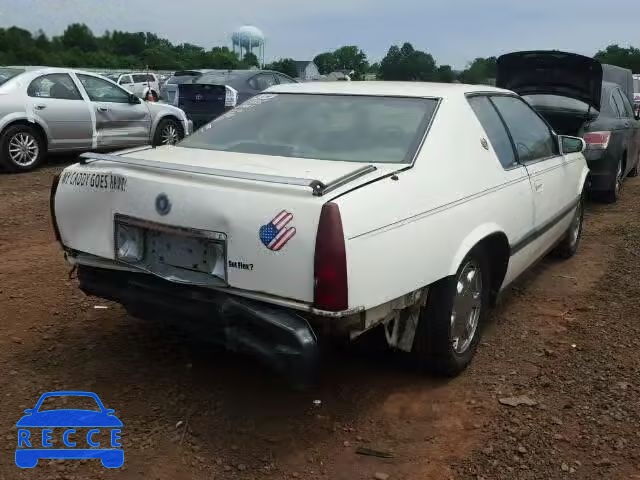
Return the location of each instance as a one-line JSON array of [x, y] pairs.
[[133, 100], [637, 115], [571, 144], [109, 411], [29, 410]]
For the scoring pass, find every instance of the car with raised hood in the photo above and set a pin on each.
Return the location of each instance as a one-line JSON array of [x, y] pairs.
[[330, 208], [579, 96], [61, 110], [215, 92]]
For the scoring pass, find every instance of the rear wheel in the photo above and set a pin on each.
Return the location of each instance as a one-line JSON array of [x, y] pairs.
[[450, 325], [168, 132], [22, 148], [612, 196], [634, 171]]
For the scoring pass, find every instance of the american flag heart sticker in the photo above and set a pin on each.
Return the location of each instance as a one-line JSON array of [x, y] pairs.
[[275, 234]]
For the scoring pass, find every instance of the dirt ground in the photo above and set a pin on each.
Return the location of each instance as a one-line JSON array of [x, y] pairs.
[[566, 337]]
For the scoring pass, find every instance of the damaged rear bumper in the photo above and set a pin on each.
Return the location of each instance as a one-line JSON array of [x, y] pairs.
[[278, 336]]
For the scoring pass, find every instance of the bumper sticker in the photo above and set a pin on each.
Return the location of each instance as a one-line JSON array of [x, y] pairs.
[[109, 182]]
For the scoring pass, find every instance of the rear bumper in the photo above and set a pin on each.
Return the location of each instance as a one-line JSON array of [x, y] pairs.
[[602, 169], [278, 336]]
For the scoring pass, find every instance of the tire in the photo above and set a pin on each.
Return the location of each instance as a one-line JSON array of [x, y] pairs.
[[12, 140], [162, 132], [634, 171], [568, 246], [612, 195], [435, 346]]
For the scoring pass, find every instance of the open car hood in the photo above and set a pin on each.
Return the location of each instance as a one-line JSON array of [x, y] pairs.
[[551, 73]]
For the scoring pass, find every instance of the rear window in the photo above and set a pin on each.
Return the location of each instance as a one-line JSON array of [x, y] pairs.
[[218, 77], [140, 78], [556, 102], [183, 76], [370, 129], [7, 73]]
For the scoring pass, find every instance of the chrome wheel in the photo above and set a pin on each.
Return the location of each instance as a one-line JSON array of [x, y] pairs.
[[23, 149], [467, 304], [576, 225], [169, 135]]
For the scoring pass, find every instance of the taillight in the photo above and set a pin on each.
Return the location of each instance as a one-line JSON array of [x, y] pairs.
[[230, 97], [597, 140], [52, 206], [330, 262]]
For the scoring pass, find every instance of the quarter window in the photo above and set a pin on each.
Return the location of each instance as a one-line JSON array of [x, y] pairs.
[[100, 90], [263, 81], [495, 130], [618, 103], [284, 79], [55, 85], [626, 105], [531, 135]]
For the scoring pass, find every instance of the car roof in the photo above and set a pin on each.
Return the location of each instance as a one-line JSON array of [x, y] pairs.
[[401, 89]]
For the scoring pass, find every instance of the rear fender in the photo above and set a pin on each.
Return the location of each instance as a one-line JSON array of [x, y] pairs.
[[471, 240], [25, 117]]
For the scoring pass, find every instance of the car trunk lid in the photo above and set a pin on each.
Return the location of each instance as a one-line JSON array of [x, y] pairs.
[[265, 222], [551, 73], [202, 102]]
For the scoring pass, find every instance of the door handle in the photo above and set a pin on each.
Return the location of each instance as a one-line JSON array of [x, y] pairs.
[[103, 109], [40, 107], [626, 124]]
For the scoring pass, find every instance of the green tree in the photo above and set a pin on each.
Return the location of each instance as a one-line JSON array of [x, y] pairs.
[[479, 71], [445, 74], [351, 57], [409, 64], [79, 36], [250, 60], [326, 62], [284, 65], [620, 56]]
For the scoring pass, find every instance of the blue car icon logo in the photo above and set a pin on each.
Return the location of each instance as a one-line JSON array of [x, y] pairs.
[[90, 433]]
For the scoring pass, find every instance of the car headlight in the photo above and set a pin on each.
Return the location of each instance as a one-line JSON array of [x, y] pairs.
[[129, 243]]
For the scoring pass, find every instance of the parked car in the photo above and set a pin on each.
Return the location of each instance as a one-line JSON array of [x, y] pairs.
[[50, 110], [569, 92], [169, 91], [215, 92], [265, 216], [140, 84]]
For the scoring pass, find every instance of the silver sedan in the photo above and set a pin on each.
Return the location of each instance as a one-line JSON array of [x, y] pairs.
[[46, 110]]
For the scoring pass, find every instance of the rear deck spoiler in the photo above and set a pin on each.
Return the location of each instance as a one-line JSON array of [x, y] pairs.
[[317, 187]]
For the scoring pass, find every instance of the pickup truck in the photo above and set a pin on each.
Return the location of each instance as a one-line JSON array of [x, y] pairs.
[[329, 209]]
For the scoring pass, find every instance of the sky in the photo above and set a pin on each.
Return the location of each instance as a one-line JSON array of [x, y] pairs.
[[453, 31]]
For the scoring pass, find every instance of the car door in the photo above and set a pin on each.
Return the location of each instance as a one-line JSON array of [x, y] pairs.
[[554, 177], [522, 223], [121, 120], [57, 101], [631, 130]]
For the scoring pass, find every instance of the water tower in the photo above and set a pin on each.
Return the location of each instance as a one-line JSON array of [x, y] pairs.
[[246, 39]]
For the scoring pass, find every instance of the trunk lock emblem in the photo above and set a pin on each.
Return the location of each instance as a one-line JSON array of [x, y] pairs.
[[163, 205]]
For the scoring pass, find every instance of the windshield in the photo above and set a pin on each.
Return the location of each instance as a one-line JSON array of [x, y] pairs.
[[7, 73], [348, 128], [75, 402]]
